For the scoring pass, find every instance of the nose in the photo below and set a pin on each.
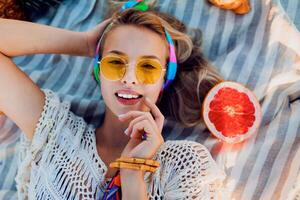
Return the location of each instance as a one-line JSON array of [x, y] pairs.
[[130, 77]]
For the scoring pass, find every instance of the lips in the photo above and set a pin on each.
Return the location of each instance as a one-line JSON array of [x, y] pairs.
[[128, 97]]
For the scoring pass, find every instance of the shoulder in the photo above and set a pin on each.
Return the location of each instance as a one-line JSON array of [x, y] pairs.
[[187, 171], [56, 109], [57, 122], [59, 135], [53, 105], [188, 157], [182, 149]]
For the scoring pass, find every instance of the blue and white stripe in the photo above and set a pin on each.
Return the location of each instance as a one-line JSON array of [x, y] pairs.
[[253, 49]]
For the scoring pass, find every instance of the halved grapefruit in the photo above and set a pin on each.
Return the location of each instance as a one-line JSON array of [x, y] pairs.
[[231, 112]]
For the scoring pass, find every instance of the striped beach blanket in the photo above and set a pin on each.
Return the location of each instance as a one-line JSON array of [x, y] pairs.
[[260, 50]]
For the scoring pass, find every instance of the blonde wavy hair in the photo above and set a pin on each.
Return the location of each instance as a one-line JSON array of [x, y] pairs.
[[182, 101]]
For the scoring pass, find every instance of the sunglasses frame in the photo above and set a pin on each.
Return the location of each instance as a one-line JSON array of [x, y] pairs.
[[135, 69], [172, 64]]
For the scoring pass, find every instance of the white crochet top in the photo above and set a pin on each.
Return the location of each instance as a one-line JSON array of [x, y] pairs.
[[61, 162]]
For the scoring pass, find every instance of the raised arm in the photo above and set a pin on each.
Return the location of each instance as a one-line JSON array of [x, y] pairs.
[[23, 38], [20, 98]]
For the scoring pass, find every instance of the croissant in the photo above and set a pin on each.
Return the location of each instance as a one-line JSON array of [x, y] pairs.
[[237, 6]]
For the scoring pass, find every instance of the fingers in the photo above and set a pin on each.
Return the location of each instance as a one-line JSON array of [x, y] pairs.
[[155, 119], [128, 131], [130, 115], [142, 127], [100, 28], [92, 36], [158, 116], [105, 23], [138, 129], [153, 108], [131, 124], [134, 114]]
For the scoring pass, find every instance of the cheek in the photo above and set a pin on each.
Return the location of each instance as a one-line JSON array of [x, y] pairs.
[[153, 92], [103, 92], [106, 89]]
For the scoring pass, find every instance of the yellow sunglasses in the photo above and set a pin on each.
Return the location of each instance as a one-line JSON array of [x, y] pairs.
[[147, 70]]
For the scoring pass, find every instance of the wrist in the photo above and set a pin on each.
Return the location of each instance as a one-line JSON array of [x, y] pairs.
[[131, 174], [133, 184], [87, 52]]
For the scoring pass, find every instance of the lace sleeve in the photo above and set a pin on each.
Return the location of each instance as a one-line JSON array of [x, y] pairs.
[[190, 172], [52, 123]]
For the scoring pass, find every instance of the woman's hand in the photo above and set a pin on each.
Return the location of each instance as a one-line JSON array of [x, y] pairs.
[[143, 123], [92, 36]]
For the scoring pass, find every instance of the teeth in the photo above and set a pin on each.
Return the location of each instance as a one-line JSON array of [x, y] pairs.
[[127, 96]]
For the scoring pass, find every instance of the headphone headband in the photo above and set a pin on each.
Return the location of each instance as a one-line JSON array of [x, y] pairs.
[[172, 65]]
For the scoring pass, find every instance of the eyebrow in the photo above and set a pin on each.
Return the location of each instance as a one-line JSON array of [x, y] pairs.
[[125, 55]]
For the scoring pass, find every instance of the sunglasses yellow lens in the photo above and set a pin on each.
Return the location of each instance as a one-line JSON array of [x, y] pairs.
[[112, 67], [148, 71]]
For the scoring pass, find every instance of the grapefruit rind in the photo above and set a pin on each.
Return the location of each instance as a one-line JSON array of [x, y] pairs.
[[240, 88]]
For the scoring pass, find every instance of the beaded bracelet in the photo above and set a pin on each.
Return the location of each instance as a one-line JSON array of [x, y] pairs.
[[141, 167], [152, 163]]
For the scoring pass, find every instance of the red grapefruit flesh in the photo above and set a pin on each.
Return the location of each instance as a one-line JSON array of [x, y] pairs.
[[231, 112]]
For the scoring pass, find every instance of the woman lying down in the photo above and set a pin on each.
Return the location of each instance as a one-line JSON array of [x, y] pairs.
[[147, 69]]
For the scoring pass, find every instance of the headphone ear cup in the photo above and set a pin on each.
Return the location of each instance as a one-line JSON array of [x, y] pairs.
[[96, 75], [96, 69], [97, 57]]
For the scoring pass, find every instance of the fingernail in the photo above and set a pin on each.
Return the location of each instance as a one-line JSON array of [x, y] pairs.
[[121, 115], [126, 131], [147, 98]]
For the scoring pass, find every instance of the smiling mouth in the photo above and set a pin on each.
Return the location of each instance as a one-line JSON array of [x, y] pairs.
[[128, 96], [128, 99]]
